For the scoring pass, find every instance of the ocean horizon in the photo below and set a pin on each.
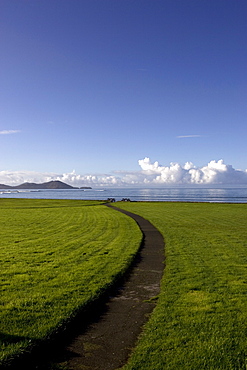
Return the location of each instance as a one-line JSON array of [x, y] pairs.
[[215, 194]]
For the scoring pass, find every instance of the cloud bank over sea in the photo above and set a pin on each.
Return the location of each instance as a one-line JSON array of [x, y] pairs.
[[150, 174], [215, 172]]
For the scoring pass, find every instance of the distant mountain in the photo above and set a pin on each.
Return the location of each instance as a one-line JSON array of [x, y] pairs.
[[45, 185], [5, 186]]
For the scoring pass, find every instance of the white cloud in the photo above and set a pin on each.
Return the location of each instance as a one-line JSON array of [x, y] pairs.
[[188, 166], [215, 172], [185, 136], [18, 177], [9, 132], [150, 174]]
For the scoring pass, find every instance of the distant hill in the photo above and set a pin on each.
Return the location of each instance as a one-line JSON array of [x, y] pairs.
[[46, 185], [5, 186]]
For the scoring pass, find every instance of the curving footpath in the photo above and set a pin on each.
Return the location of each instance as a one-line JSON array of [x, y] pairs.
[[107, 342], [103, 338]]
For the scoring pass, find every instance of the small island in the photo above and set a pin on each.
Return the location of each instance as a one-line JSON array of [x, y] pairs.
[[46, 185]]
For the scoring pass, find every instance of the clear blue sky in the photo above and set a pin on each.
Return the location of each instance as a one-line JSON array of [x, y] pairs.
[[96, 85]]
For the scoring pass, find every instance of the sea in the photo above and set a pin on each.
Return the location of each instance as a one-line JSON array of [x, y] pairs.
[[216, 194]]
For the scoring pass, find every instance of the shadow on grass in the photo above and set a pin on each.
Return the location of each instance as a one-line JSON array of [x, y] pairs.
[[10, 339]]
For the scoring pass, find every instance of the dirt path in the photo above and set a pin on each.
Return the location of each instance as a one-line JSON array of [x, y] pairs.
[[104, 338]]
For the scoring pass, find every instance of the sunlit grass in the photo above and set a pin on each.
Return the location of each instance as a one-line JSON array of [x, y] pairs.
[[200, 321], [56, 256]]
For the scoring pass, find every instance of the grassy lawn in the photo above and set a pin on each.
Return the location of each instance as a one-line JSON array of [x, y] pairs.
[[200, 321], [56, 256]]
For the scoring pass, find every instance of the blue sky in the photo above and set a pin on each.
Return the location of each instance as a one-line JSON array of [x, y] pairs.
[[95, 86]]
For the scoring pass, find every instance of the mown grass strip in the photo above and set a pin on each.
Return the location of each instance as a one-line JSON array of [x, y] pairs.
[[56, 257], [200, 321]]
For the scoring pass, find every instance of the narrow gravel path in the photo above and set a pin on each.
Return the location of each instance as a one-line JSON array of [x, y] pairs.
[[103, 337]]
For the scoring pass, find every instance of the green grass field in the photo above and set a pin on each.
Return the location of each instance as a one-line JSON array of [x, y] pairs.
[[56, 256], [200, 321]]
